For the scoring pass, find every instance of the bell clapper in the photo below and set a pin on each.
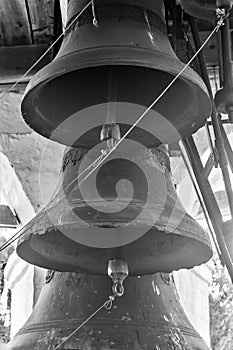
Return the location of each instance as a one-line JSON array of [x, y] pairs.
[[111, 134], [118, 271]]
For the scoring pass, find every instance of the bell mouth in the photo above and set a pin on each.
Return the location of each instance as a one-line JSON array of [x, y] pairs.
[[70, 246], [75, 82], [166, 254]]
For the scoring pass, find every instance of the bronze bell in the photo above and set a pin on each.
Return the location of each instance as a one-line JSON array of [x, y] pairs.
[[125, 57], [127, 209], [148, 316]]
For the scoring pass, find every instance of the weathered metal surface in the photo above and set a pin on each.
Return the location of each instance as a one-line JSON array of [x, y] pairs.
[[147, 317], [128, 210], [131, 42]]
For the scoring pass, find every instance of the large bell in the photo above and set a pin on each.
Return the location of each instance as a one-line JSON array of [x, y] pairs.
[[148, 316], [126, 60], [127, 209]]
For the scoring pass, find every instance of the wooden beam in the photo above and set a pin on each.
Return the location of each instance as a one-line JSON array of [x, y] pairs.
[[26, 22], [16, 60], [40, 14], [14, 25]]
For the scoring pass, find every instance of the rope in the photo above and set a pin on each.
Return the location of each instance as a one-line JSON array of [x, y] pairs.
[[107, 305], [219, 24], [102, 158]]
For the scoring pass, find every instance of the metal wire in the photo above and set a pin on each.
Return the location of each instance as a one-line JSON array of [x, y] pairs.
[[219, 24], [10, 241], [107, 305], [110, 151], [17, 235], [45, 53]]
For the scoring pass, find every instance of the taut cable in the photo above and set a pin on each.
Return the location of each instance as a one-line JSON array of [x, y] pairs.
[[97, 162]]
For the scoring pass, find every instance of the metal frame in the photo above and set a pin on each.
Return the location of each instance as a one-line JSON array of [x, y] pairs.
[[209, 200], [222, 154]]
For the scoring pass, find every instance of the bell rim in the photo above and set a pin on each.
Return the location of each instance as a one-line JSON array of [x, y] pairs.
[[83, 59], [161, 227], [47, 261], [188, 260], [165, 222]]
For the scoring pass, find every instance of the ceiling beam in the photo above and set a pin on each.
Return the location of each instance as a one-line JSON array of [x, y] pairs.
[[16, 60]]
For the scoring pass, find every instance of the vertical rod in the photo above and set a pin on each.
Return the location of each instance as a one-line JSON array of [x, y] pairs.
[[227, 62], [219, 56], [201, 57], [223, 161], [226, 49], [30, 22], [215, 119], [209, 200], [228, 148], [197, 190]]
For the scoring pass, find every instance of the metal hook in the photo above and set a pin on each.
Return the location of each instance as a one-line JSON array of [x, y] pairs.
[[118, 271], [118, 289], [109, 302], [95, 22]]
